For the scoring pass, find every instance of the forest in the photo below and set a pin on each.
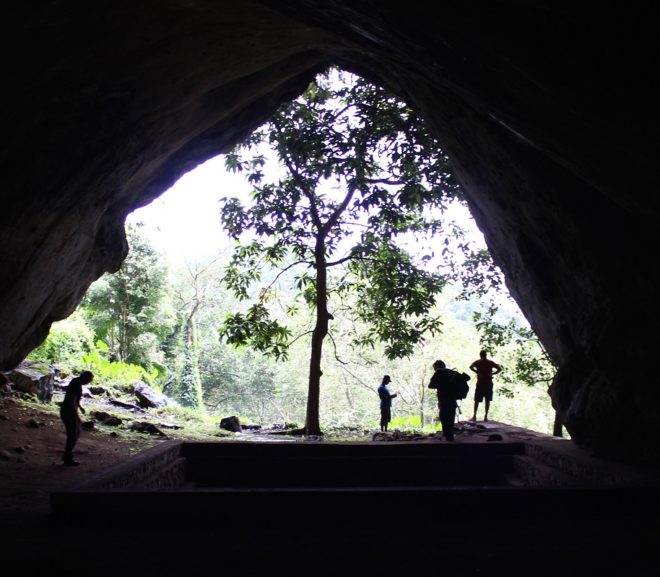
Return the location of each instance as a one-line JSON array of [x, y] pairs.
[[345, 264]]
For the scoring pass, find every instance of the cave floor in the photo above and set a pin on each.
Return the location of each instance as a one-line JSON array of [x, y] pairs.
[[346, 533]]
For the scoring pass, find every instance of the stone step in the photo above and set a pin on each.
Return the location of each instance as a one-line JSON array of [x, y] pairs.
[[171, 475], [566, 458], [535, 473], [321, 449], [347, 471], [338, 505]]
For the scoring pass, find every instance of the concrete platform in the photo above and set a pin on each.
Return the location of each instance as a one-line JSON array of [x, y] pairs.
[[538, 506]]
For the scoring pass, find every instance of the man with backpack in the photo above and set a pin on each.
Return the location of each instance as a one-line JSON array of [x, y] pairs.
[[450, 386]]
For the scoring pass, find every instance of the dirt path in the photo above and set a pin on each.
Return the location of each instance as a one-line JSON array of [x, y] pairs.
[[31, 444]]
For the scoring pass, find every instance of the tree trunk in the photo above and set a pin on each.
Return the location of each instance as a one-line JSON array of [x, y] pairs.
[[422, 396], [195, 394], [312, 423], [123, 336]]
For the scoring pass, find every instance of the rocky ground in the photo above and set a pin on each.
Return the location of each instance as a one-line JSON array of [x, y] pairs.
[[32, 439], [31, 443]]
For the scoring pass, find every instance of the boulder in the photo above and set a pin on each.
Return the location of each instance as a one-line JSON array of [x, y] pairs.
[[127, 406], [106, 418], [232, 424], [148, 397], [146, 427], [251, 427], [35, 378]]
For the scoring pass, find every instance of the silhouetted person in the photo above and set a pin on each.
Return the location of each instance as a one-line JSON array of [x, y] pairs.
[[485, 369], [69, 414], [441, 382], [385, 403]]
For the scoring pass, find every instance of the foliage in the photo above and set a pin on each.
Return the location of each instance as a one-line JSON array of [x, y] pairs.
[[520, 349], [126, 309], [197, 295], [502, 330], [407, 423], [360, 170], [67, 341], [190, 382], [113, 373]]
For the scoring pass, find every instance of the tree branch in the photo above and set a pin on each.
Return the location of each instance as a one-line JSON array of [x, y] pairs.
[[384, 181], [300, 336], [285, 269], [316, 219], [341, 260], [334, 217], [358, 380]]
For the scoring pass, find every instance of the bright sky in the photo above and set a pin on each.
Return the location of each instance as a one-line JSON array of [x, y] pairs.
[[184, 222]]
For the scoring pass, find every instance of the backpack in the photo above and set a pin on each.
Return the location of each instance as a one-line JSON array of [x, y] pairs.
[[459, 384], [455, 386]]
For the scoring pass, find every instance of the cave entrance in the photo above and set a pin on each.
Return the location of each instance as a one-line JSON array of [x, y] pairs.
[[171, 223]]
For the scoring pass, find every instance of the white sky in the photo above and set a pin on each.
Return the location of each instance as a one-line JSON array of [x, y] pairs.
[[184, 222]]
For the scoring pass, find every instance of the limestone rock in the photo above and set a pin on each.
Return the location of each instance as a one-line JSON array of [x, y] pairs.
[[106, 418], [34, 378], [232, 424], [148, 397], [146, 427]]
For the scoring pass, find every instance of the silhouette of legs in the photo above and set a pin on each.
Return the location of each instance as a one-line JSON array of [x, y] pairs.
[[447, 418], [385, 418], [474, 415], [72, 427]]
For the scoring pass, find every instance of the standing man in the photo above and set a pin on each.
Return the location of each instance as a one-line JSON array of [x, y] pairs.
[[385, 403], [441, 381], [485, 369], [69, 414]]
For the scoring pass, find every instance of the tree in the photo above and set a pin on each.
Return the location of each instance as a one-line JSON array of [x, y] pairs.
[[194, 292], [359, 172], [126, 308]]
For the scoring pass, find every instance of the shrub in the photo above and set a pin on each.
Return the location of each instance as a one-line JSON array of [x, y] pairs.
[[67, 341]]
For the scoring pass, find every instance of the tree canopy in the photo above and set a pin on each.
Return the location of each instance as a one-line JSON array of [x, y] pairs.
[[359, 172], [126, 308]]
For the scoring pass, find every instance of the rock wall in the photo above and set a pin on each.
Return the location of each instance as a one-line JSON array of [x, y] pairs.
[[545, 108]]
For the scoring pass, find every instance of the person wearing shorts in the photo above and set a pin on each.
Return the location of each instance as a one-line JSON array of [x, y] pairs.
[[485, 369]]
